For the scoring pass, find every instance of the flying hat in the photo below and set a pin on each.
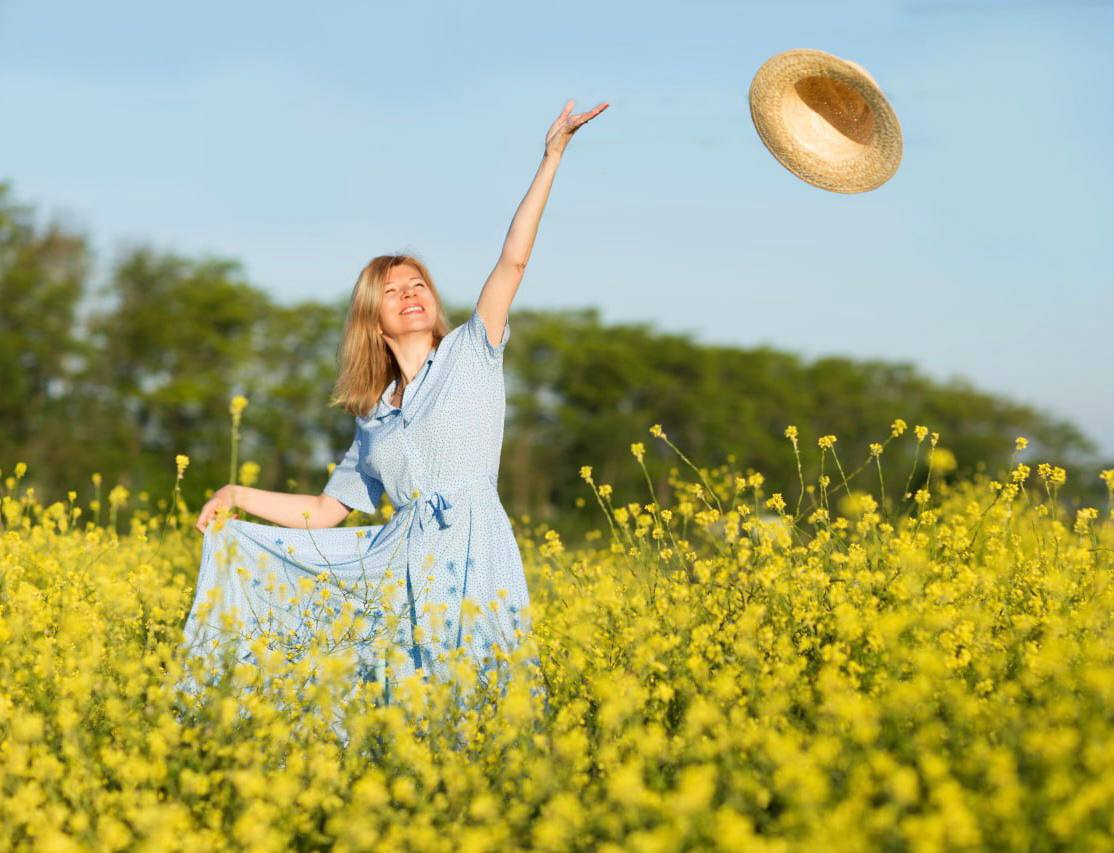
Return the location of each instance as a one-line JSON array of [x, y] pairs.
[[826, 120]]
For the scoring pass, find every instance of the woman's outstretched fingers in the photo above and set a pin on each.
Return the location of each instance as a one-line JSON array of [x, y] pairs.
[[591, 114], [578, 121]]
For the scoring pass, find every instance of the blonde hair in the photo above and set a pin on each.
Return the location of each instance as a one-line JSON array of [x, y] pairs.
[[366, 364]]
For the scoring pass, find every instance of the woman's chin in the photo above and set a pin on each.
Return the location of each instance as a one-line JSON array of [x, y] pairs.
[[411, 324]]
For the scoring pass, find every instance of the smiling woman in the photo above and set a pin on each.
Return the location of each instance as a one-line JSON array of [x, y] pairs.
[[396, 315], [444, 572], [443, 576]]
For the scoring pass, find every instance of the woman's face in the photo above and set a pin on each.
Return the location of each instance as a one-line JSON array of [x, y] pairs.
[[408, 304]]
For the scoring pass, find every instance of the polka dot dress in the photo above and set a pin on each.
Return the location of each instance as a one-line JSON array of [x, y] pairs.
[[443, 572]]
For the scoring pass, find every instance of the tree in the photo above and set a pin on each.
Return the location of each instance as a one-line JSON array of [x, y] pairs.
[[42, 280], [177, 341]]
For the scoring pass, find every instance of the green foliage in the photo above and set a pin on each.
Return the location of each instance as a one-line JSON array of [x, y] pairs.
[[42, 276], [579, 392], [122, 379]]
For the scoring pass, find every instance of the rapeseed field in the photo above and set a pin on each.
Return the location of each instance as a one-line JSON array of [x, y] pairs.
[[868, 661]]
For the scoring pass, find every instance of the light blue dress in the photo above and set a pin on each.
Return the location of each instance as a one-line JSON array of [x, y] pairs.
[[437, 459]]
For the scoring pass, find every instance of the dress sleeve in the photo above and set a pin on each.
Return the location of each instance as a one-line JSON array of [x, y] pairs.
[[353, 487], [476, 334]]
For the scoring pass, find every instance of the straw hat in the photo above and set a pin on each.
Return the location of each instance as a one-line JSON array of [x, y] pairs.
[[826, 120]]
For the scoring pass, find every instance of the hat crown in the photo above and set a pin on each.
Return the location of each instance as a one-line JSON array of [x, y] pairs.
[[838, 104]]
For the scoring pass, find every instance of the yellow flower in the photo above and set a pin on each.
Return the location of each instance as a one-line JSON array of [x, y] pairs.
[[875, 449], [897, 427], [656, 431], [20, 469], [1052, 474], [827, 442], [605, 490], [182, 462], [856, 504], [96, 478], [552, 545], [237, 405], [1107, 477], [1084, 517], [249, 473], [776, 502], [943, 460], [791, 433], [920, 432], [586, 473], [638, 450], [1021, 442]]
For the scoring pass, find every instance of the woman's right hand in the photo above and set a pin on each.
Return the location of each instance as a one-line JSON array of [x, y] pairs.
[[565, 125], [223, 498]]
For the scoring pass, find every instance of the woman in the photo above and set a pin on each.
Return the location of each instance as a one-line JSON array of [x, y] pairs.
[[445, 571]]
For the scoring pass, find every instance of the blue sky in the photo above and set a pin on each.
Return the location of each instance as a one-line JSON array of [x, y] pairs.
[[305, 140]]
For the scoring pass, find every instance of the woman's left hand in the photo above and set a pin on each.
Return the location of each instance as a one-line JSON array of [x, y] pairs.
[[565, 125]]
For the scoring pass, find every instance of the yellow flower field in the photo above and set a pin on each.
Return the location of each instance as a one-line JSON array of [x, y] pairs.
[[843, 665]]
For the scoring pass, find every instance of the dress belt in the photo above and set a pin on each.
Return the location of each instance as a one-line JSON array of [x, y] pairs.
[[435, 506]]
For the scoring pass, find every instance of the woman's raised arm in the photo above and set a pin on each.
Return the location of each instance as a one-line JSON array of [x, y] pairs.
[[494, 304]]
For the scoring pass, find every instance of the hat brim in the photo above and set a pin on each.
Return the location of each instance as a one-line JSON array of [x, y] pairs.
[[851, 151]]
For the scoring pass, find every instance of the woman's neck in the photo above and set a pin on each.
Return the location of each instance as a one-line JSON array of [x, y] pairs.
[[410, 352]]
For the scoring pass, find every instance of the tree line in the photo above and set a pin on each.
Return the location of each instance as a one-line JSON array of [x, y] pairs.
[[121, 377]]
